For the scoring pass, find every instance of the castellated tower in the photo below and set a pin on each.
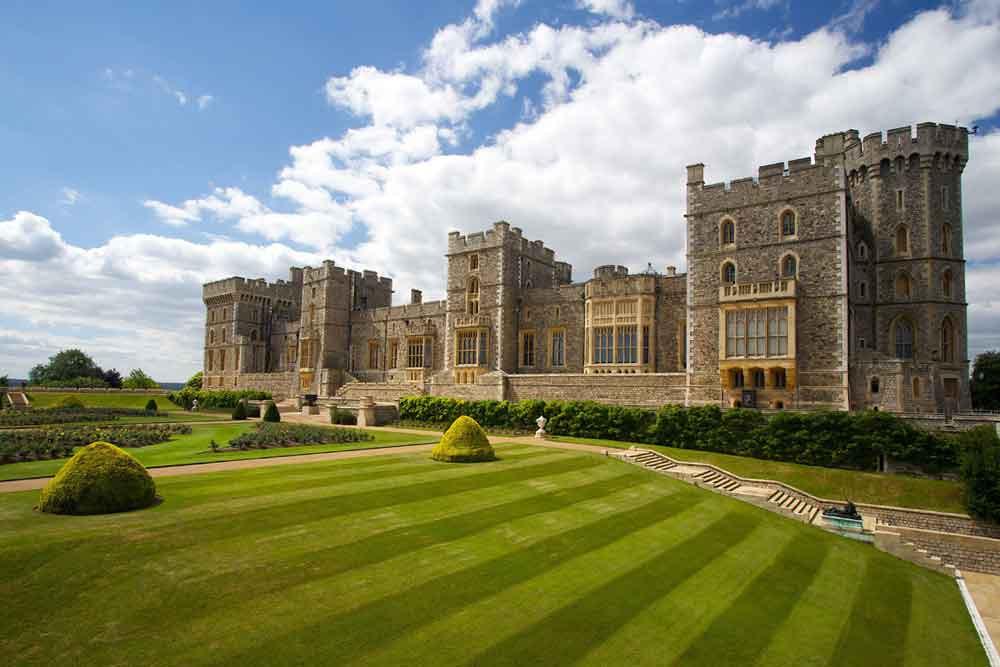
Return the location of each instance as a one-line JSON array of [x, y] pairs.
[[907, 267], [487, 275]]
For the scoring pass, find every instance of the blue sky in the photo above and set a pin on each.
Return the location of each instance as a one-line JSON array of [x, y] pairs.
[[148, 148]]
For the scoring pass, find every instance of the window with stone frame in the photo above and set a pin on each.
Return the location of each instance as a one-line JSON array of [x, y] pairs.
[[729, 273], [758, 378], [603, 345], [393, 360], [736, 378], [916, 387], [779, 378], [945, 198], [470, 347], [899, 200], [873, 386], [627, 344], [528, 348], [472, 297], [903, 287], [415, 353], [904, 339], [862, 290], [645, 344], [902, 240], [862, 250], [946, 283], [474, 262], [373, 354], [788, 223], [222, 360], [946, 239], [789, 266], [557, 344], [727, 232], [759, 332], [947, 341]]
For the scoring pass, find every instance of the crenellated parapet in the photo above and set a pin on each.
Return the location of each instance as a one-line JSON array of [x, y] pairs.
[[773, 181], [936, 144], [238, 289], [501, 234]]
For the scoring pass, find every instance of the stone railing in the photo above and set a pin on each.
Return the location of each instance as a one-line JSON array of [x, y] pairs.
[[769, 289]]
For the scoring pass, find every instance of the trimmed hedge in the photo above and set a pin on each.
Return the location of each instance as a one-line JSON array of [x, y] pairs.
[[151, 406], [99, 479], [822, 438], [224, 399], [267, 435], [30, 444], [463, 442], [981, 472], [240, 411], [67, 415]]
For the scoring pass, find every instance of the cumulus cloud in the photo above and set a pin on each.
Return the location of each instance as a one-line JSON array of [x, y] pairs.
[[596, 168], [29, 237]]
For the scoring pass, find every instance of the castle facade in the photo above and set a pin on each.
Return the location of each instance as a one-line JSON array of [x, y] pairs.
[[836, 281]]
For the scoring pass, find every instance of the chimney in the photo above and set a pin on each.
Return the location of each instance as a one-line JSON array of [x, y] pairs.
[[416, 296], [696, 174], [671, 270]]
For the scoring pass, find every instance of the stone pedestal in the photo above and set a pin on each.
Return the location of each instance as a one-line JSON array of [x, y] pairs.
[[366, 411], [310, 409]]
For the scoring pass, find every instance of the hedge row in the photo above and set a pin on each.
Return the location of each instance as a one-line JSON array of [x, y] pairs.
[[267, 434], [64, 415], [215, 399], [59, 442], [824, 438]]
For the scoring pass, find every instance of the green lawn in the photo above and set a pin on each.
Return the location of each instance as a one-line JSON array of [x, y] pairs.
[[833, 483], [135, 401], [194, 448], [543, 557]]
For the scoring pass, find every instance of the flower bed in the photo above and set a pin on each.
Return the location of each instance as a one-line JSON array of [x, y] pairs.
[[267, 435], [60, 415], [58, 442]]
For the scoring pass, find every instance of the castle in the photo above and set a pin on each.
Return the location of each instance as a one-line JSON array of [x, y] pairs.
[[836, 281]]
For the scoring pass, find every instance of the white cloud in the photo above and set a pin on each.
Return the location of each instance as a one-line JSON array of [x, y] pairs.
[[740, 8], [619, 9], [597, 169], [204, 100], [29, 237], [70, 196]]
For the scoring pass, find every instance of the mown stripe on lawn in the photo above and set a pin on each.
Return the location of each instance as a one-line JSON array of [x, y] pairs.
[[348, 636], [319, 564], [762, 607], [576, 629], [879, 620]]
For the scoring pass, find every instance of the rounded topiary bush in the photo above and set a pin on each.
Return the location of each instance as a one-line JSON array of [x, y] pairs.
[[98, 479], [464, 441], [151, 406], [240, 411], [272, 414], [70, 403]]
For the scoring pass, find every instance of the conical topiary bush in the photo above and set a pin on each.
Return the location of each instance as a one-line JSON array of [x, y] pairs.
[[272, 414], [98, 479], [464, 441], [240, 411], [151, 406]]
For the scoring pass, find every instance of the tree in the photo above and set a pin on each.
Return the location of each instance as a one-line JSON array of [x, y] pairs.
[[986, 381], [195, 381], [66, 365], [137, 379], [113, 378], [981, 472], [4, 382]]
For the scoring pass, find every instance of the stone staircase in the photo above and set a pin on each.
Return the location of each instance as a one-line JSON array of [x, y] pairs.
[[18, 400], [654, 461], [793, 505], [718, 480]]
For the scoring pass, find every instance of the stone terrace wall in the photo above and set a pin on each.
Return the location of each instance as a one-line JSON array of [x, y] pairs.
[[279, 385], [966, 552], [643, 390]]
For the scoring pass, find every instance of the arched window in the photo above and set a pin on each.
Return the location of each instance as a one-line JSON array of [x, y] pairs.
[[902, 240], [788, 223], [947, 341], [884, 167], [946, 239], [902, 286], [904, 339], [789, 266], [225, 336], [862, 290], [727, 234], [900, 165], [211, 337], [729, 273], [946, 283], [472, 297], [862, 250]]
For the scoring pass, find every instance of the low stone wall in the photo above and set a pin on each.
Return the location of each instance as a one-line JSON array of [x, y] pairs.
[[944, 522], [279, 385], [641, 390], [380, 391], [966, 552], [958, 422]]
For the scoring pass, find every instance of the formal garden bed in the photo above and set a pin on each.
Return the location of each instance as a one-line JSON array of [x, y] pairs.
[[70, 415], [56, 442], [267, 435]]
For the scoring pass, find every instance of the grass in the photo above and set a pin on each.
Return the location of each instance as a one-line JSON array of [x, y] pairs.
[[832, 483], [542, 557], [135, 401], [195, 448]]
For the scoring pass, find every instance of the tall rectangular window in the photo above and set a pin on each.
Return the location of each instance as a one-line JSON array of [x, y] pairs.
[[899, 200], [627, 343], [558, 348], [466, 351], [945, 203], [373, 350], [393, 360], [483, 338], [415, 353], [645, 344], [756, 335], [736, 333], [528, 348], [603, 345], [777, 331]]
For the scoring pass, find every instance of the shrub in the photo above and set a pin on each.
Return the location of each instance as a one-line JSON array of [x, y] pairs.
[[272, 414], [138, 379], [74, 383], [70, 403], [342, 417], [151, 406], [981, 472], [195, 381], [222, 399], [287, 435], [99, 479], [240, 411], [464, 441]]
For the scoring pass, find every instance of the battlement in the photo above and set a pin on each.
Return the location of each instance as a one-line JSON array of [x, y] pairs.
[[329, 270], [501, 234], [610, 272], [769, 175], [927, 140], [236, 285]]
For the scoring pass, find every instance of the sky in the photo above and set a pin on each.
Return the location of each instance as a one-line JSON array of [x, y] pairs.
[[148, 148]]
